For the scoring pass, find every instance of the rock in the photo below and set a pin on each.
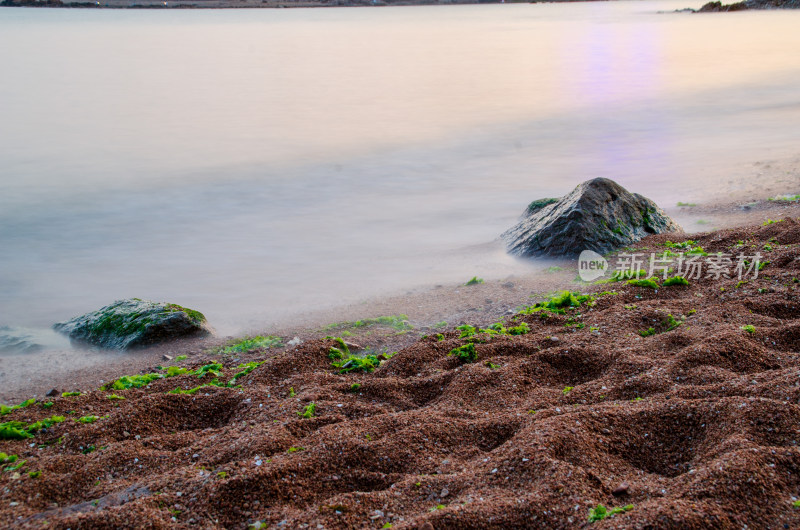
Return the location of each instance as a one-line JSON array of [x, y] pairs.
[[53, 392], [622, 489], [716, 7], [294, 342], [352, 346], [166, 357], [598, 215], [135, 323]]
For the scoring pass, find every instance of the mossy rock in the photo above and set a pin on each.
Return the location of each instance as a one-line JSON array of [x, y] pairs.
[[598, 215], [135, 323]]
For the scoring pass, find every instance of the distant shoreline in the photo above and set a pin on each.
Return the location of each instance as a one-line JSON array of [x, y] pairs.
[[255, 4]]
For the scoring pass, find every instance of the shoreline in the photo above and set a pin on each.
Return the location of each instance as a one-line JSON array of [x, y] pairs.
[[647, 404], [21, 377], [249, 4]]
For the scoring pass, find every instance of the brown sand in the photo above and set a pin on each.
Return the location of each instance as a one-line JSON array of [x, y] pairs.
[[701, 423]]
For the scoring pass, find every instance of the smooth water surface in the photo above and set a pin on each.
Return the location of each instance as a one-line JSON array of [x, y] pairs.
[[255, 163]]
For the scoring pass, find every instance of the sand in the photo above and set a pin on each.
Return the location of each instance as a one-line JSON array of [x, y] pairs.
[[693, 427]]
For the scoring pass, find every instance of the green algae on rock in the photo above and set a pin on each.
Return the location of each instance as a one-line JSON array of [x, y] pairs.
[[598, 215], [135, 323]]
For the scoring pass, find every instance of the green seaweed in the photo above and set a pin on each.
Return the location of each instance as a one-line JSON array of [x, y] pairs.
[[522, 329], [749, 328], [212, 383], [339, 351], [538, 204], [16, 466], [17, 430], [248, 367], [4, 409], [309, 411], [354, 363], [601, 512], [398, 322], [195, 316], [465, 353], [8, 459], [214, 368], [474, 281], [252, 343], [649, 283], [560, 303], [87, 419], [132, 381], [675, 280]]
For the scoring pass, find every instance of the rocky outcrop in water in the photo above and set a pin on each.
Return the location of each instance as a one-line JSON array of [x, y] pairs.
[[716, 7], [597, 215], [135, 323]]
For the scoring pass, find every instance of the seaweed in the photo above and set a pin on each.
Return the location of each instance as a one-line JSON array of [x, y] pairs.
[[354, 363], [465, 353], [309, 411], [252, 343], [601, 512], [18, 430], [649, 283], [398, 322], [675, 280]]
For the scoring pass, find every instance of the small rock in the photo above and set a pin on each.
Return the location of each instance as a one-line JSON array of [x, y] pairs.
[[444, 493], [352, 346], [52, 393], [294, 342], [166, 357], [554, 339], [622, 489]]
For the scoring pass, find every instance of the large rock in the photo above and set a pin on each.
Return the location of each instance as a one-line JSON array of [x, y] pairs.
[[135, 323], [598, 215]]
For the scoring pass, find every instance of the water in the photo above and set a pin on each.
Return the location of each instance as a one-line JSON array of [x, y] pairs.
[[256, 163]]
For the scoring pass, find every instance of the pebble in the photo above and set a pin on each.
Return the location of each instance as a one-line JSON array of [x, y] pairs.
[[622, 489]]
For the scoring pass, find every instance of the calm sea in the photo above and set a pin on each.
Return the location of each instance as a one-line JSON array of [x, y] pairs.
[[256, 163]]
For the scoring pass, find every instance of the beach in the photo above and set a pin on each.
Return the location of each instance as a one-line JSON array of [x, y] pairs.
[[676, 405], [329, 188]]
